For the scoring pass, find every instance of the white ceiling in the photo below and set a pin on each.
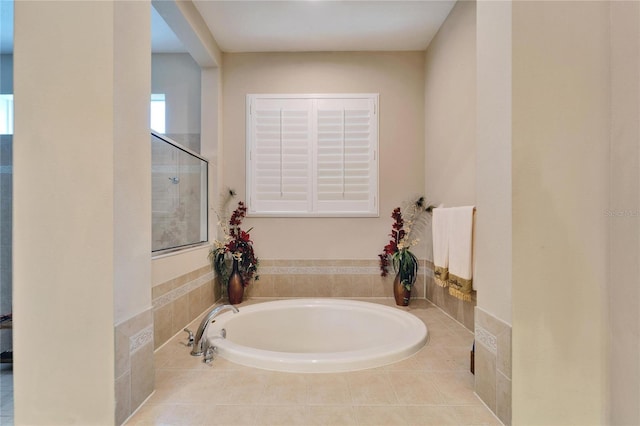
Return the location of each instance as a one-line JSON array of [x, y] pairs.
[[307, 25], [280, 26], [163, 39]]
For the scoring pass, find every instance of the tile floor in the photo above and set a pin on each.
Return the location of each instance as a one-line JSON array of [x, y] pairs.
[[433, 387], [6, 394]]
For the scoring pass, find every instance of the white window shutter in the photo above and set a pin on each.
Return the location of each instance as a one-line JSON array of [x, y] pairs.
[[312, 155], [346, 178], [279, 161]]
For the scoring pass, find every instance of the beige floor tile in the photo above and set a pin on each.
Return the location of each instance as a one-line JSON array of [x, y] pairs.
[[234, 415], [432, 358], [285, 389], [323, 415], [248, 394], [171, 383], [169, 353], [169, 414], [431, 387], [462, 337], [371, 387], [456, 388], [456, 338], [407, 415], [220, 363], [457, 357], [246, 386], [283, 415], [328, 389], [407, 364], [431, 416], [476, 415], [389, 415], [208, 388], [415, 388], [176, 354]]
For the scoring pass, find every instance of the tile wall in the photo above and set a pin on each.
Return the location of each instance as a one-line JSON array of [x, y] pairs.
[[493, 364], [188, 140], [6, 191], [325, 278], [134, 369], [461, 311], [178, 301], [175, 304]]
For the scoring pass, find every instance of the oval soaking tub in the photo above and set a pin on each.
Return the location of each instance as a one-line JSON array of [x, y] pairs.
[[317, 335]]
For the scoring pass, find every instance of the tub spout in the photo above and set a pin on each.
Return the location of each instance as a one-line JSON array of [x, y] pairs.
[[198, 341]]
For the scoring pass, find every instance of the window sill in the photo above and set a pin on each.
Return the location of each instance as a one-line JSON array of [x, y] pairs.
[[180, 250]]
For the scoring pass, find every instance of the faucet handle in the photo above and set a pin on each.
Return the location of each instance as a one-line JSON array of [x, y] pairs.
[[191, 338], [209, 354]]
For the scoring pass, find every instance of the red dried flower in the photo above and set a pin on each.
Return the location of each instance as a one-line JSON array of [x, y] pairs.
[[239, 245], [397, 234], [397, 251]]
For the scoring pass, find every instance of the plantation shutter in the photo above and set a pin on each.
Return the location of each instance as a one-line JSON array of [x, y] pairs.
[[312, 155], [346, 169], [280, 155]]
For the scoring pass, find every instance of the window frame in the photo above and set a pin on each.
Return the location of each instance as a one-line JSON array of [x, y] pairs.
[[313, 201], [6, 119], [204, 203]]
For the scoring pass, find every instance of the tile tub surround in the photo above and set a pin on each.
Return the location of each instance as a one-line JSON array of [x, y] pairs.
[[178, 301], [432, 387], [325, 278], [493, 364], [460, 310], [134, 368]]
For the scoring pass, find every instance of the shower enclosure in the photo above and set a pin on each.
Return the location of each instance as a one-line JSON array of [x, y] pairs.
[[179, 196]]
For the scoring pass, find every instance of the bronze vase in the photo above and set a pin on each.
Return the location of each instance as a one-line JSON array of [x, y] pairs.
[[235, 286], [400, 292]]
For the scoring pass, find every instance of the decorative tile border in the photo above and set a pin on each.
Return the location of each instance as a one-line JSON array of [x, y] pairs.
[[323, 270], [487, 339], [318, 270], [169, 297], [141, 338]]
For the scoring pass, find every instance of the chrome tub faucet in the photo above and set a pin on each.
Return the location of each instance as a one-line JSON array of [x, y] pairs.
[[197, 341]]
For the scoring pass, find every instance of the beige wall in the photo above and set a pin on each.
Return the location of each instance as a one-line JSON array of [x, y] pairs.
[[64, 213], [397, 77], [132, 159], [492, 274], [623, 217], [450, 131], [167, 267], [560, 190], [450, 110], [134, 368]]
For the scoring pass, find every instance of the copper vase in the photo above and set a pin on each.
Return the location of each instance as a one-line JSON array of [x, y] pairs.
[[235, 287], [400, 292]]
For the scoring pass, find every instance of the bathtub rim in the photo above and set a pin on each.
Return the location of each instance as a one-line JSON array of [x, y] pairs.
[[408, 343]]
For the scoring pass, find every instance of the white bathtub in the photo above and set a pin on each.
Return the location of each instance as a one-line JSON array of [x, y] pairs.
[[317, 335]]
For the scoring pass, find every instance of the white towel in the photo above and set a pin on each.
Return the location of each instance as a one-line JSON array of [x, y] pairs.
[[461, 252], [440, 232]]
